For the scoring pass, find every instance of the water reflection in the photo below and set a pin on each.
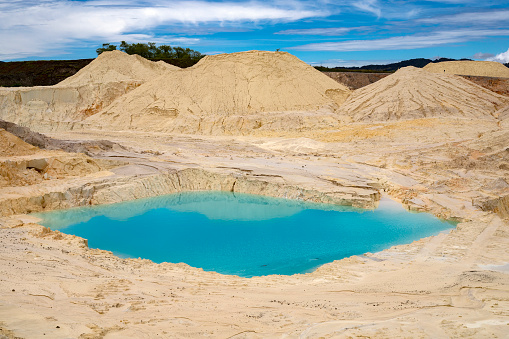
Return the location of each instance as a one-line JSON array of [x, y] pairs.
[[213, 205]]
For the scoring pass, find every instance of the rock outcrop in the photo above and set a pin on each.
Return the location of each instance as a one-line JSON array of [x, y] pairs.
[[96, 191]]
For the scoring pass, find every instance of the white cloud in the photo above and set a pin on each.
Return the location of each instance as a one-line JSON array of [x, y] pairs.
[[482, 56], [404, 42], [35, 27], [502, 57]]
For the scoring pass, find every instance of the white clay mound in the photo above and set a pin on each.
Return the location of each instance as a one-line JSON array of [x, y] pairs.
[[115, 66], [412, 93], [475, 68], [226, 85]]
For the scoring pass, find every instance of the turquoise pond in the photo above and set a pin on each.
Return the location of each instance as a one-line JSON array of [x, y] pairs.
[[242, 234]]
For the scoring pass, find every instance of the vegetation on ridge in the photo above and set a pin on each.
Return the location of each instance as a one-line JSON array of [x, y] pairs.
[[178, 56]]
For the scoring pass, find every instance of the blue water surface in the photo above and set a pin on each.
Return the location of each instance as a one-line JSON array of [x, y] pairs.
[[242, 234]]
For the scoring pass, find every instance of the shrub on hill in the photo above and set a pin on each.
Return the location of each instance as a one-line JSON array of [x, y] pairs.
[[178, 56]]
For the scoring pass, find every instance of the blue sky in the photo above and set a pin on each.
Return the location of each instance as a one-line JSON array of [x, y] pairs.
[[320, 32]]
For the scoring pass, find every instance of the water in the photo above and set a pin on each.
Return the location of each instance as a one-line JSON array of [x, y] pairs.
[[242, 234]]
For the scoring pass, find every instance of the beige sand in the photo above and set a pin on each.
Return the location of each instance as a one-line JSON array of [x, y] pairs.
[[12, 145], [117, 66], [452, 285], [412, 93], [476, 68], [503, 116], [242, 91], [453, 164]]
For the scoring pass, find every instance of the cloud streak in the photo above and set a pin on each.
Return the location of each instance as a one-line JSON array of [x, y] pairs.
[[329, 31], [370, 6], [404, 42], [470, 18]]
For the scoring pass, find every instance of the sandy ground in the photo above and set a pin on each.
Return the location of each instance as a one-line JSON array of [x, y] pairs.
[[452, 285], [433, 142]]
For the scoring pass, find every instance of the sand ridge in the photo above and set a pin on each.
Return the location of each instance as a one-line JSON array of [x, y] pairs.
[[412, 93], [467, 67]]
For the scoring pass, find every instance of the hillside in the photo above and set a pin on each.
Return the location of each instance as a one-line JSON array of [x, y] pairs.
[[51, 72], [47, 108]]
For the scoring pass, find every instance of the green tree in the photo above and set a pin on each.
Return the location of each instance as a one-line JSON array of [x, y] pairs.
[[178, 56], [106, 47]]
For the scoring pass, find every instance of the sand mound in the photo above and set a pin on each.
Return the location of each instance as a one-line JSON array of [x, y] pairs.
[[413, 93], [117, 66], [476, 68], [11, 145], [225, 87], [22, 164]]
